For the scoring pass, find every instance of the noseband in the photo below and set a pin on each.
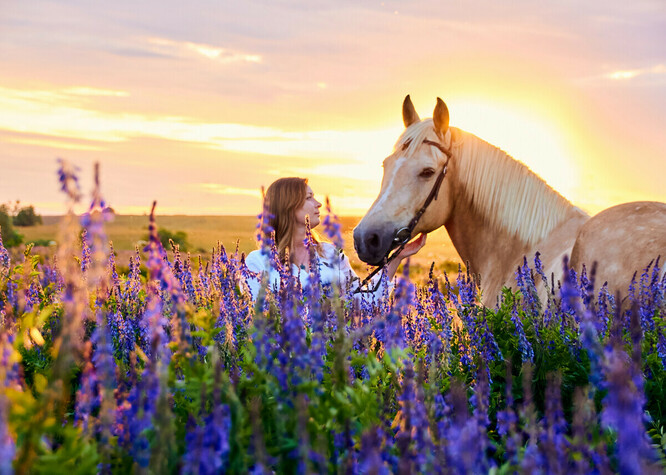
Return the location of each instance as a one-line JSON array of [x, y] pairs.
[[404, 234]]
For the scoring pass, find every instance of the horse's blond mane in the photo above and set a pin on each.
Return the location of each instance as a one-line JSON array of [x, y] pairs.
[[501, 189]]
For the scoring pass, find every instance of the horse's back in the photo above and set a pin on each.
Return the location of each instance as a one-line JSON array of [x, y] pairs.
[[622, 240]]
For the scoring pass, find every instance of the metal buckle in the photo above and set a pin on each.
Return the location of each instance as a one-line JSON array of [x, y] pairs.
[[402, 235]]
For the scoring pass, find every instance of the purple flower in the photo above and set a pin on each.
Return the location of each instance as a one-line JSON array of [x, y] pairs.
[[370, 457], [532, 457], [589, 340], [7, 444], [115, 279], [623, 413], [69, 180], [11, 371], [208, 444], [553, 442], [527, 286], [332, 227], [589, 456], [87, 397], [507, 421], [393, 334], [440, 337], [85, 251], [605, 308], [462, 433], [413, 439], [650, 295], [525, 347], [4, 257]]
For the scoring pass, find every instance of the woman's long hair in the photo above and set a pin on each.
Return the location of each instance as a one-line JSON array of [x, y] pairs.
[[283, 198]]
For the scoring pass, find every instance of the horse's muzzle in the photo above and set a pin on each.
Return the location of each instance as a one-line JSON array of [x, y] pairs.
[[373, 244]]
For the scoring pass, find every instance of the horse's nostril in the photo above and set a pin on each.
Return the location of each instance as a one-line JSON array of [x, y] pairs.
[[373, 241]]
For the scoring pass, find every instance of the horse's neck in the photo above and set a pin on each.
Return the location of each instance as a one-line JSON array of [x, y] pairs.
[[487, 252], [502, 210]]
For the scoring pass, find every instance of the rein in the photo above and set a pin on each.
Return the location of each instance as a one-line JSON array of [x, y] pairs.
[[403, 235]]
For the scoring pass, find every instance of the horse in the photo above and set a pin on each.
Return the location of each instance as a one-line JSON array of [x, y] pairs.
[[498, 212]]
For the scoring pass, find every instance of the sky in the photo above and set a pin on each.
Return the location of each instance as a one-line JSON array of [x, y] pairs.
[[199, 104]]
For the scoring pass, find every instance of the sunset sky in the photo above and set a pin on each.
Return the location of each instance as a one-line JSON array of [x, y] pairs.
[[198, 104]]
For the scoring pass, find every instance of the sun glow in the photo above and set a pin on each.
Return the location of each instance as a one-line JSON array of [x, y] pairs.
[[528, 136]]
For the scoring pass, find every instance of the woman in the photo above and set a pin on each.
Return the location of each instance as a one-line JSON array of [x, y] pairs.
[[290, 202]]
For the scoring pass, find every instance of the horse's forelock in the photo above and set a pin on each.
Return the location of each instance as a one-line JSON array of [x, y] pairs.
[[413, 137]]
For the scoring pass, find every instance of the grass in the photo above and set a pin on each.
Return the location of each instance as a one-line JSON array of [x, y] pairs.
[[204, 232]]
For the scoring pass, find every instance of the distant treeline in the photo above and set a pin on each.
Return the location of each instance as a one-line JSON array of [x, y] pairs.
[[15, 215]]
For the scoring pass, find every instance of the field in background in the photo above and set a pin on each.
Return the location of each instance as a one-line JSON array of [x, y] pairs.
[[204, 232]]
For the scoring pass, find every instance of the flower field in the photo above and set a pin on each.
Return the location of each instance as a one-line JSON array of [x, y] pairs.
[[172, 368]]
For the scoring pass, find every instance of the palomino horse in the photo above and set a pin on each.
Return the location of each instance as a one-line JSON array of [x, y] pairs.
[[497, 211]]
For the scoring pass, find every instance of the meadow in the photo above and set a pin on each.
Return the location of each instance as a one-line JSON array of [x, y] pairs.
[[172, 368]]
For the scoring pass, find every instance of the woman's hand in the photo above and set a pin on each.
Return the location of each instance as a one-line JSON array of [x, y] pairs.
[[412, 247]]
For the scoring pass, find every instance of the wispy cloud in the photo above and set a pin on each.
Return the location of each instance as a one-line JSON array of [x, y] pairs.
[[211, 52], [628, 74], [53, 114], [220, 189], [49, 142], [94, 91]]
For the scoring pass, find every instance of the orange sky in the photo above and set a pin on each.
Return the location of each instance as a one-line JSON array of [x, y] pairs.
[[199, 104]]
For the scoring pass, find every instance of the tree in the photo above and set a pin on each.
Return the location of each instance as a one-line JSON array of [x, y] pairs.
[[178, 237], [27, 217], [10, 237]]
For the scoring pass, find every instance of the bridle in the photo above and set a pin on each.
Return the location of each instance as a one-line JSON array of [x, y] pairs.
[[404, 234]]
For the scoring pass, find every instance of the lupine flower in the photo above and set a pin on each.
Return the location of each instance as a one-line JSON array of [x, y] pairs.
[[7, 443], [292, 348], [605, 308], [332, 227], [507, 421], [115, 279], [370, 458], [87, 397], [413, 439], [85, 251], [532, 457], [393, 331], [527, 286], [552, 441], [462, 433], [441, 316], [525, 347], [208, 444], [589, 340], [69, 179], [10, 370], [623, 413], [586, 457], [650, 295], [4, 257]]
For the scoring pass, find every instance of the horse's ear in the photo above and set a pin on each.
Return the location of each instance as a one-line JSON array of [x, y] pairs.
[[409, 115], [441, 118]]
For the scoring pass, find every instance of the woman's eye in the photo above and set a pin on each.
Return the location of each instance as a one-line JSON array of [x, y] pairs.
[[427, 173]]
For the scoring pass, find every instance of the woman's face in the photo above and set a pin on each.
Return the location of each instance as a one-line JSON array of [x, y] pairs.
[[310, 208]]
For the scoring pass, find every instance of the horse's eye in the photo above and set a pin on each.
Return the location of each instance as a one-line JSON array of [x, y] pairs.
[[427, 173]]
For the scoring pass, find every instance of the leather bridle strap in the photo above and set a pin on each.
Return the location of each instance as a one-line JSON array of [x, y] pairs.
[[403, 235]]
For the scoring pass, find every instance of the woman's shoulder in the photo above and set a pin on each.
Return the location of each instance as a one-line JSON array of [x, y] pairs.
[[256, 261], [329, 250]]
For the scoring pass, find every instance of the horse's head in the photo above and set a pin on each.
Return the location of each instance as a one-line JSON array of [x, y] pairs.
[[410, 175]]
